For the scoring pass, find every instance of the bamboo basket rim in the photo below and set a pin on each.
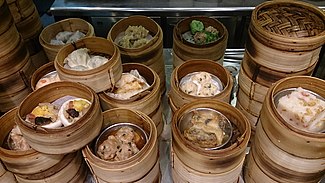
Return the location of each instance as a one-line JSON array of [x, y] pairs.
[[82, 43], [277, 37], [274, 89], [154, 86], [142, 153], [157, 31], [55, 86], [177, 32], [38, 71], [240, 141], [199, 61], [47, 28]]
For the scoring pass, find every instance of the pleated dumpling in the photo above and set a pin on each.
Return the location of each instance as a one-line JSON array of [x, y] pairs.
[[77, 60]]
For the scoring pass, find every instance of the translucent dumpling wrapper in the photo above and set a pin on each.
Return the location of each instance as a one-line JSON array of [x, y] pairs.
[[45, 115], [303, 110], [129, 85], [16, 141], [65, 37], [201, 84], [47, 79], [80, 60], [72, 110]]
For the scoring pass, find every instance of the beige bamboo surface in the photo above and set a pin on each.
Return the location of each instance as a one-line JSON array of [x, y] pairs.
[[2, 169], [251, 106], [99, 79], [21, 9], [24, 26], [8, 177], [186, 51], [67, 139], [6, 18], [251, 118], [9, 40], [135, 167], [12, 100], [40, 72]]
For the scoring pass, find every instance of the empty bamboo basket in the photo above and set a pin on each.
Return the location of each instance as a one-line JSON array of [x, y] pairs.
[[99, 79], [150, 104], [184, 50], [22, 162], [40, 72], [65, 139], [150, 54], [70, 24], [284, 40], [142, 167], [192, 163], [282, 152], [177, 98]]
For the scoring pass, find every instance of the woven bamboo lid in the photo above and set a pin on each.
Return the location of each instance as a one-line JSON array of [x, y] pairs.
[[289, 25]]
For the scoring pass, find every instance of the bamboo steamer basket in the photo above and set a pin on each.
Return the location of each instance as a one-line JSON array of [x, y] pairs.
[[150, 104], [9, 40], [21, 9], [40, 72], [65, 171], [12, 100], [18, 81], [251, 117], [23, 162], [287, 31], [183, 173], [254, 90], [153, 176], [278, 60], [70, 24], [137, 166], [32, 20], [251, 106], [282, 166], [99, 79], [150, 54], [2, 169], [39, 59], [265, 76], [211, 162], [6, 19], [178, 98], [184, 50], [8, 177], [292, 140], [66, 139]]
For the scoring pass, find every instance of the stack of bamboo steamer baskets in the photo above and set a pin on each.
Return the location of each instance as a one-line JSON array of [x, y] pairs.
[[178, 98], [191, 163], [143, 167], [184, 50], [29, 166], [99, 79], [281, 152], [16, 67], [150, 103], [70, 24], [6, 176], [284, 39], [150, 54], [29, 25]]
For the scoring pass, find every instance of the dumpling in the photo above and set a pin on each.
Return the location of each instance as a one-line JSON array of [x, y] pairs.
[[78, 57], [96, 61], [63, 36], [75, 37], [72, 110]]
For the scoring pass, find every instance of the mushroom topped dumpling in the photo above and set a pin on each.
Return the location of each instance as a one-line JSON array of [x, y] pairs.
[[45, 115], [72, 110]]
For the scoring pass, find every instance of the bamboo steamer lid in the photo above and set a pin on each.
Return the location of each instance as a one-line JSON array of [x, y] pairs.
[[282, 166], [134, 168], [70, 24], [66, 139], [99, 79], [150, 54], [150, 104], [187, 51], [216, 161], [286, 137], [178, 98], [289, 26], [22, 162], [67, 170], [6, 19]]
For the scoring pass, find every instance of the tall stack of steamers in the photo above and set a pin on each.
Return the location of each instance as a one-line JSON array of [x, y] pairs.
[[112, 138]]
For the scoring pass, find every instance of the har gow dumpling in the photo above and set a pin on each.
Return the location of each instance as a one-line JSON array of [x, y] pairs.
[[78, 57]]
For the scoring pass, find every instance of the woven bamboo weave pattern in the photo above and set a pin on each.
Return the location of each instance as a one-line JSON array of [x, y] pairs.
[[295, 22]]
